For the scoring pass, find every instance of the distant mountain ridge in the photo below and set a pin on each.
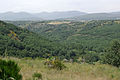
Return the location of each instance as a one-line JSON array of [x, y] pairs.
[[98, 16], [12, 16], [58, 15], [18, 16], [64, 15]]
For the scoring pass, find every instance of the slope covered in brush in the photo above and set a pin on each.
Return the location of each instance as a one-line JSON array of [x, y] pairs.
[[94, 34], [15, 41]]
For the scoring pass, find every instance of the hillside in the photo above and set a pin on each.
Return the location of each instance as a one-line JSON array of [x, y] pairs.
[[95, 35], [19, 42]]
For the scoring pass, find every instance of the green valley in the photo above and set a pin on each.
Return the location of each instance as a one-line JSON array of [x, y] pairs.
[[95, 35]]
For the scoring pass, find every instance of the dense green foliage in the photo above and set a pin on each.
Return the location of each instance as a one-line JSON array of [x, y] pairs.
[[94, 35], [91, 57], [8, 70], [76, 38], [20, 42], [112, 55]]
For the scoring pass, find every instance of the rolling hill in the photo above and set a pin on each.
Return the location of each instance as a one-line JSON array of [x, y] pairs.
[[95, 35], [19, 42]]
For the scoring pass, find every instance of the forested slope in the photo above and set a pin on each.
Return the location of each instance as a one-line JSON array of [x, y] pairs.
[[95, 35], [15, 41]]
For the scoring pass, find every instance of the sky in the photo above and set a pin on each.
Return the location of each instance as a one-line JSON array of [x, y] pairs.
[[36, 6]]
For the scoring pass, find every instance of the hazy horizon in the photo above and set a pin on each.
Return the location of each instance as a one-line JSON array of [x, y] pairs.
[[55, 11], [37, 6]]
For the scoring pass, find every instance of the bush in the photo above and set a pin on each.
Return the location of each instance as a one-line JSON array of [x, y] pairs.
[[9, 69], [58, 65], [112, 55], [55, 64], [37, 76], [91, 57]]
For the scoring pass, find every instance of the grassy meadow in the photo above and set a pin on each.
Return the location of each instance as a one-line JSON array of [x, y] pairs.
[[74, 71]]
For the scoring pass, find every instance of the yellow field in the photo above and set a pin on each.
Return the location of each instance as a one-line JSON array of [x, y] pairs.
[[74, 71]]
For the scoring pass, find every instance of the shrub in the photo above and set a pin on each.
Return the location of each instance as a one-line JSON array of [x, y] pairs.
[[58, 65], [37, 76], [9, 69], [112, 55], [91, 57], [55, 64]]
